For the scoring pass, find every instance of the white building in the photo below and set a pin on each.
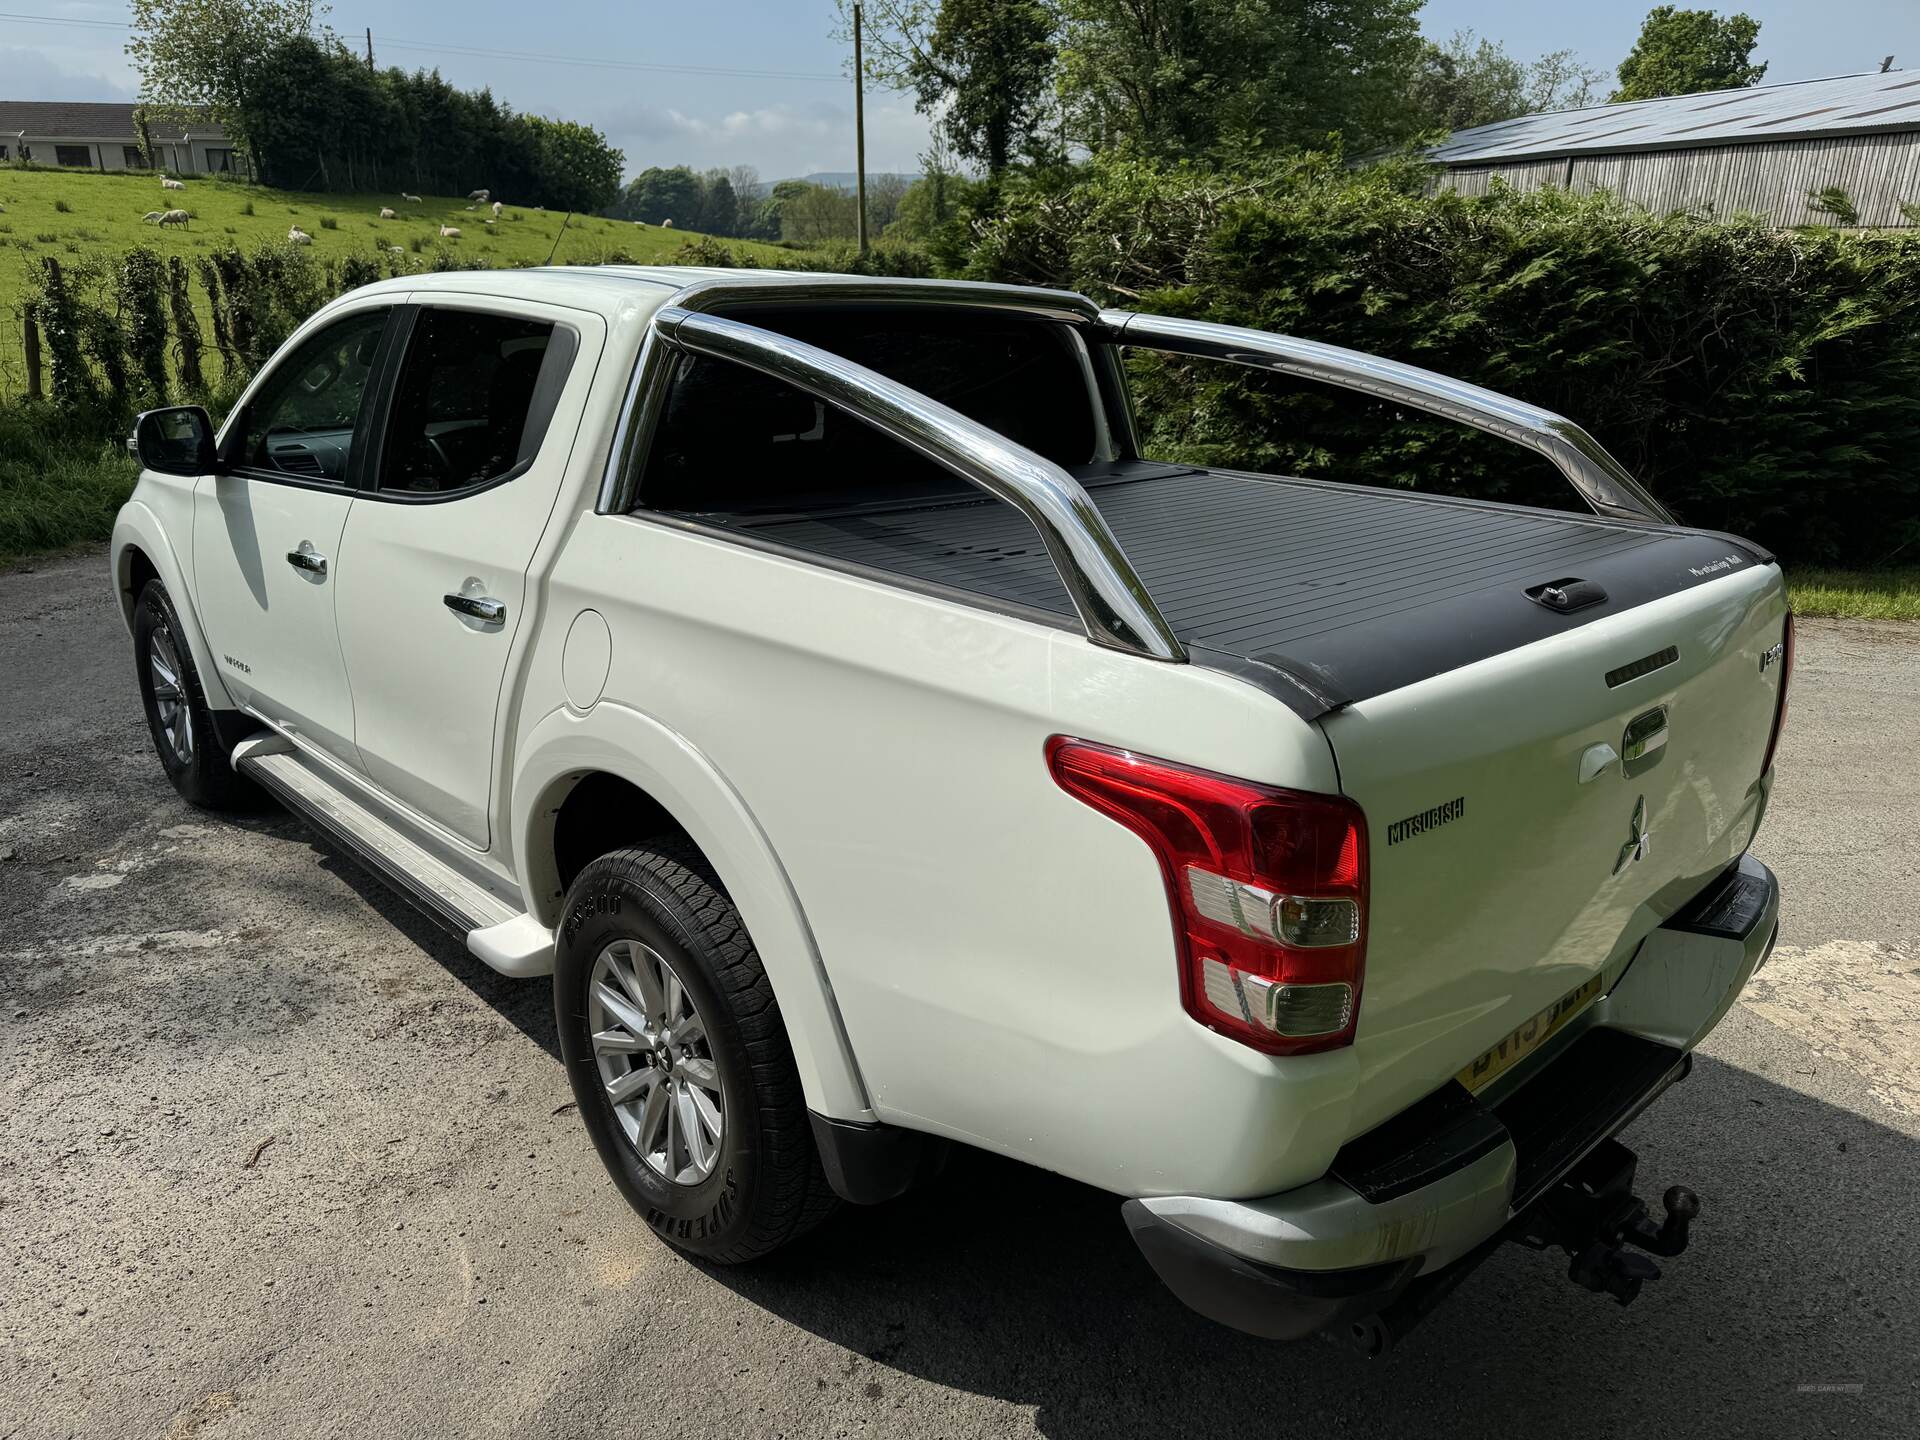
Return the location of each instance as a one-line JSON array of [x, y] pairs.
[[88, 135]]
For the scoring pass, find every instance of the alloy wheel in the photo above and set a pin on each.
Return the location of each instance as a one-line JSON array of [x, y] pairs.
[[651, 1047], [170, 703]]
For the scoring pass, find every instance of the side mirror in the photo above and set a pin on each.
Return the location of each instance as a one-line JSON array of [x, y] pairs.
[[175, 441]]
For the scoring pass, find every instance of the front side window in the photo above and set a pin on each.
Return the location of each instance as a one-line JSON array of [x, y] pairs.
[[301, 423], [77, 155], [464, 412], [133, 157]]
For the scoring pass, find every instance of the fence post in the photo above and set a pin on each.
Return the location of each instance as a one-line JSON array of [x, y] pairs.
[[32, 345]]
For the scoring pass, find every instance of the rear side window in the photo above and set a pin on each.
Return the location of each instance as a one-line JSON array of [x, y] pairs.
[[732, 441], [473, 397]]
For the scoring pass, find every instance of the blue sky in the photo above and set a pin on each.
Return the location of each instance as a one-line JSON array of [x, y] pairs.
[[794, 126]]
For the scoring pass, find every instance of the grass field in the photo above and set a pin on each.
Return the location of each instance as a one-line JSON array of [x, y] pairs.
[[102, 217]]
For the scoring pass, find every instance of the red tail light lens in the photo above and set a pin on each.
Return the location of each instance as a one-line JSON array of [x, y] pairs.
[[1268, 889], [1786, 680]]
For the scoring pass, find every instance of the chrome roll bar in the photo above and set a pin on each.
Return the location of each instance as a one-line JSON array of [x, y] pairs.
[[1112, 603], [1603, 482]]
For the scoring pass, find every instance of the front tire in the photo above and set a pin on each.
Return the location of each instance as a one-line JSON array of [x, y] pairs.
[[679, 1059], [178, 717]]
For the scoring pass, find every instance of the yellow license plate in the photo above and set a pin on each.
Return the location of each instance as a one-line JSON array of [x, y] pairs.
[[1528, 1038]]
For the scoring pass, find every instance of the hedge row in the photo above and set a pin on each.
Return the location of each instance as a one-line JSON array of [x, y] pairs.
[[1761, 381]]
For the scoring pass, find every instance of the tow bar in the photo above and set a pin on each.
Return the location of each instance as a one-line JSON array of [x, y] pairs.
[[1592, 1214]]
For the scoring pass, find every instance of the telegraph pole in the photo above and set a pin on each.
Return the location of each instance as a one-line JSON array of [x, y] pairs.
[[859, 134], [369, 48]]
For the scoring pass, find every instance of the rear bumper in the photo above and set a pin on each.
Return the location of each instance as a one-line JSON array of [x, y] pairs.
[[1433, 1186]]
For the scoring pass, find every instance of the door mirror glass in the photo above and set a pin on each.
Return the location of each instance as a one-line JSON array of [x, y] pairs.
[[175, 441]]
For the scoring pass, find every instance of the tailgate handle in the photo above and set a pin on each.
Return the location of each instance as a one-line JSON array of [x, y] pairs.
[[1644, 742], [1566, 596]]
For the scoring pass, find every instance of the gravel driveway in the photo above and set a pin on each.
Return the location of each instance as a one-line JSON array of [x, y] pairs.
[[279, 1157]]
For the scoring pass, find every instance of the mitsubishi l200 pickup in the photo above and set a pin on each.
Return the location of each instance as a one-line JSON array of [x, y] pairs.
[[881, 753]]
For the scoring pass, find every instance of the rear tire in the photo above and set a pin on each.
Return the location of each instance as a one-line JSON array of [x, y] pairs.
[[679, 1059], [178, 716]]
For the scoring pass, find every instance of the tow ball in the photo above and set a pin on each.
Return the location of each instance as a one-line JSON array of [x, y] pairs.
[[1594, 1216]]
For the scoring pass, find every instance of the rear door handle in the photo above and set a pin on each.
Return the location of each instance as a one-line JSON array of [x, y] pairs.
[[307, 558], [478, 607]]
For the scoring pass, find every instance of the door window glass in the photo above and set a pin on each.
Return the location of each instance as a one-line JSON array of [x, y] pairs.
[[462, 406], [301, 423]]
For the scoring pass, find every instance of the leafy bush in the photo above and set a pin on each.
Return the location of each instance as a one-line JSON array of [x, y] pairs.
[[63, 207], [1761, 381], [843, 259]]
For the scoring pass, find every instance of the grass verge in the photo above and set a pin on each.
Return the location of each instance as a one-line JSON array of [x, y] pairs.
[[59, 484], [1856, 594]]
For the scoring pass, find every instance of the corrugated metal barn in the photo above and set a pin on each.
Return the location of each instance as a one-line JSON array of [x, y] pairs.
[[1760, 150]]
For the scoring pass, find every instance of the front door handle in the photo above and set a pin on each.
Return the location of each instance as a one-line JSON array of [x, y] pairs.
[[478, 607], [307, 558]]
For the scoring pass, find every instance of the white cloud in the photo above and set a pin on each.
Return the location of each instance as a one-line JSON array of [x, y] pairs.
[[780, 140], [48, 74]]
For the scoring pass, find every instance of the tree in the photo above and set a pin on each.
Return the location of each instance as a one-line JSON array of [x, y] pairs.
[[576, 168], [745, 181], [884, 194], [1216, 77], [814, 214], [984, 73], [1684, 52], [1468, 82], [205, 58], [935, 200], [656, 194], [719, 206], [981, 68]]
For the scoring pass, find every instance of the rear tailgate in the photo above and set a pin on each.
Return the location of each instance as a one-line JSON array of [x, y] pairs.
[[1502, 881]]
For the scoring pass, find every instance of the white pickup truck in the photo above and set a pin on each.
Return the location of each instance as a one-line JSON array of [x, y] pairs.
[[881, 753]]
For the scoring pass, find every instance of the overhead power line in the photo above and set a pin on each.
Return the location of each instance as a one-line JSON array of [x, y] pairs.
[[484, 53]]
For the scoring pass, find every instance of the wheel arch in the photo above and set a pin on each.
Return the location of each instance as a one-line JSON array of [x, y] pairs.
[[659, 780], [140, 551]]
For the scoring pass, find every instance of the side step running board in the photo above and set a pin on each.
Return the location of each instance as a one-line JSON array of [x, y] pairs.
[[507, 939]]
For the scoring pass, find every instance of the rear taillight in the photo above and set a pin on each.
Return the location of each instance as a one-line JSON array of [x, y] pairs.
[[1780, 705], [1268, 889]]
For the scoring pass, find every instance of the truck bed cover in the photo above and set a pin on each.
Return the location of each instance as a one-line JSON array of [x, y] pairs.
[[1354, 591]]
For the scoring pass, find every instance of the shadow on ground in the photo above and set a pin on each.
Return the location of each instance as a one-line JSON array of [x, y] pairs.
[[1006, 1281]]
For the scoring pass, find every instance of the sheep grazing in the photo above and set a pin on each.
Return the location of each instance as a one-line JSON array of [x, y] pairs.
[[385, 213], [666, 224], [152, 217], [449, 232], [175, 217], [411, 199], [298, 236], [497, 208], [479, 197], [167, 182]]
